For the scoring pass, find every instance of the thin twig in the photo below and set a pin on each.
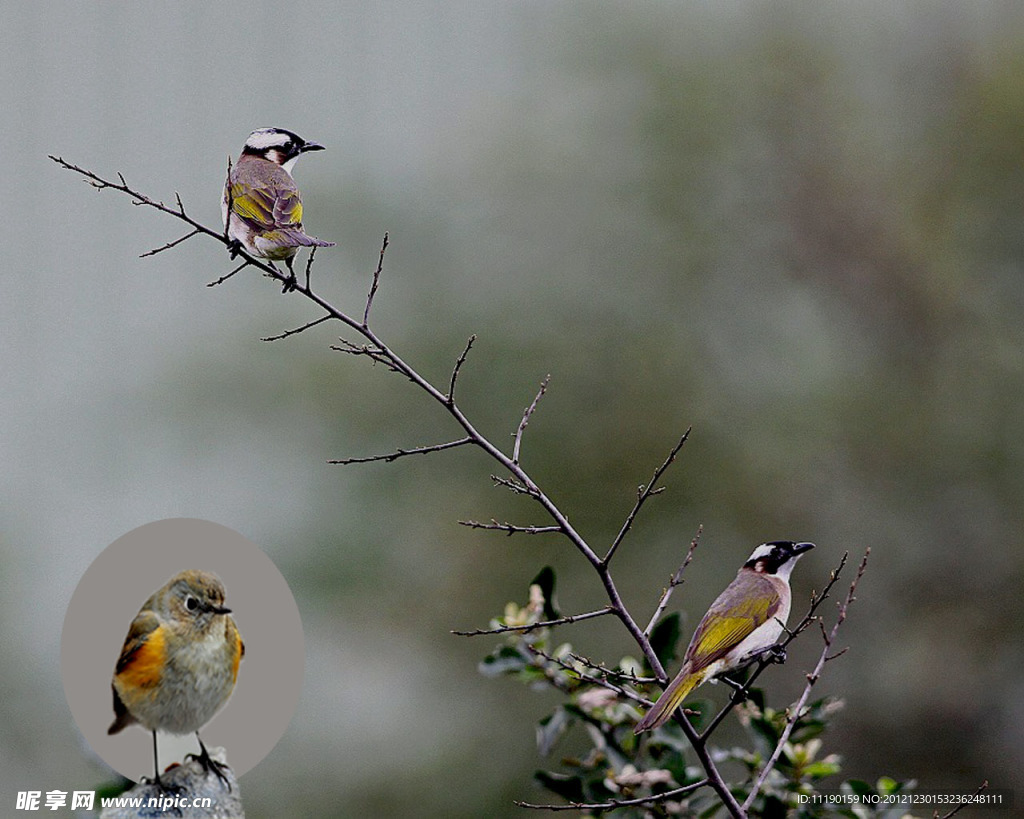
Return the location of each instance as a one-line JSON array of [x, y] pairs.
[[169, 245], [227, 276], [510, 529], [376, 281], [374, 353], [298, 330], [612, 804], [526, 418], [812, 678], [514, 485], [450, 397], [590, 679], [675, 580], [524, 629], [935, 814], [309, 264], [642, 495], [401, 453], [100, 183], [229, 195], [627, 676]]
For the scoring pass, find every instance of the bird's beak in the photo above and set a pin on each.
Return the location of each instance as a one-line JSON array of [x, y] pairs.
[[800, 548], [220, 609], [312, 146]]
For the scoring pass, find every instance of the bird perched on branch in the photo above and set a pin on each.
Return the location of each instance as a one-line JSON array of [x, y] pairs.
[[742, 625], [262, 208]]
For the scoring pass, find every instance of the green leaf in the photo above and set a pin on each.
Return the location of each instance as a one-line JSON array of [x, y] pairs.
[[711, 811], [665, 637], [551, 729], [818, 770], [888, 785], [504, 660], [859, 787], [546, 580], [670, 736], [764, 734], [774, 808]]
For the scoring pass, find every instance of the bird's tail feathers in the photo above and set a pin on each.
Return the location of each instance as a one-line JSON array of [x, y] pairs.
[[314, 242], [290, 237], [300, 239], [122, 719], [668, 702]]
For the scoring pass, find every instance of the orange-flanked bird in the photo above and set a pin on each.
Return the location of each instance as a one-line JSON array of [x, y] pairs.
[[179, 662]]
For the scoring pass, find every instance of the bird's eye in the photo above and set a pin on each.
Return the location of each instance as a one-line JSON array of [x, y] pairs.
[[191, 603]]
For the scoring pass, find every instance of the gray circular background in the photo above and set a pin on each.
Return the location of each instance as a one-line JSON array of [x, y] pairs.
[[110, 594]]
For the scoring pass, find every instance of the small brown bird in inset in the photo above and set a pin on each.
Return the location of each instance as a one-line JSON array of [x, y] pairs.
[[179, 662]]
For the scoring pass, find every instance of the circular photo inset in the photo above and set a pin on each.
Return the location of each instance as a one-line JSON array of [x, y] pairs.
[[180, 626]]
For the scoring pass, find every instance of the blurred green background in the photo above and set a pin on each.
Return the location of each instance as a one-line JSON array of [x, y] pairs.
[[796, 227]]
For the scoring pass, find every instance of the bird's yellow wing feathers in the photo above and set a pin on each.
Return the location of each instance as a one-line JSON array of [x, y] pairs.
[[267, 209], [749, 602], [288, 209]]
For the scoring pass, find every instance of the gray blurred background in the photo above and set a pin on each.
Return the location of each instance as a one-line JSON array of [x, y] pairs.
[[796, 227]]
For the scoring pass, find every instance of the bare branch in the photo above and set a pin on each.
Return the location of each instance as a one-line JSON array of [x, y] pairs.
[[100, 183], [643, 494], [141, 199], [569, 618], [674, 581], [376, 281], [378, 351], [611, 804], [169, 245], [401, 453], [450, 397], [812, 678], [509, 529], [224, 278], [526, 418], [298, 330]]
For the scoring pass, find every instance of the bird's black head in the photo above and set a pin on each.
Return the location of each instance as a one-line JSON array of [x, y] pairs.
[[278, 145], [777, 557]]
